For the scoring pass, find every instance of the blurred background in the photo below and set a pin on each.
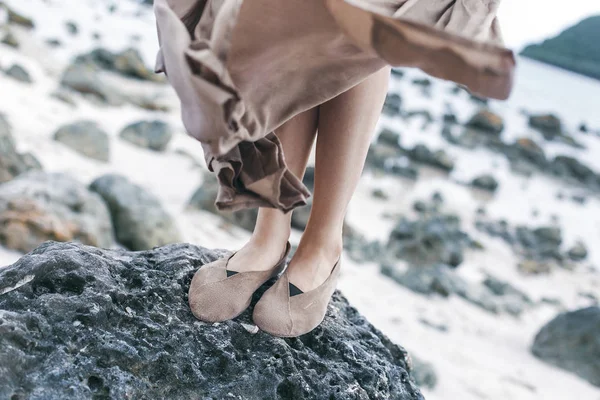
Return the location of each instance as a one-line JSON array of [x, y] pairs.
[[473, 225]]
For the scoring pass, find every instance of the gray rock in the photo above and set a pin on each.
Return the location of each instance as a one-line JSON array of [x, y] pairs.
[[11, 40], [439, 159], [533, 267], [569, 167], [511, 300], [482, 101], [549, 235], [435, 238], [64, 96], [300, 215], [128, 62], [579, 198], [78, 322], [425, 114], [402, 167], [485, 182], [548, 124], [358, 247], [72, 27], [424, 373], [19, 73], [392, 105], [527, 150], [204, 199], [31, 162], [425, 82], [85, 137], [38, 206], [397, 72], [578, 252], [487, 121], [17, 18], [154, 135], [378, 154], [379, 194], [449, 118], [53, 42], [390, 138], [502, 288], [12, 163], [536, 245], [83, 78], [571, 341], [309, 178], [442, 280], [438, 327], [139, 219]]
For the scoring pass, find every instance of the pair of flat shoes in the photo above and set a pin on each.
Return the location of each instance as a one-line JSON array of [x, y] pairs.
[[218, 294]]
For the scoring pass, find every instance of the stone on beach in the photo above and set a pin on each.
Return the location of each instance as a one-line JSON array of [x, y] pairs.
[[154, 135], [85, 137], [82, 322], [38, 206], [138, 217], [571, 341]]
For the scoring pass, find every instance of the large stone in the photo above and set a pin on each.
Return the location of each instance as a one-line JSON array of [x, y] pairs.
[[204, 199], [570, 167], [38, 206], [139, 219], [128, 62], [78, 322], [85, 137], [84, 78], [487, 121], [578, 252], [548, 124], [442, 280], [572, 341], [387, 137], [536, 245], [18, 73], [424, 373], [528, 150], [11, 40], [435, 238], [379, 154], [511, 299], [153, 135], [17, 18], [13, 163], [485, 182], [439, 159], [392, 105]]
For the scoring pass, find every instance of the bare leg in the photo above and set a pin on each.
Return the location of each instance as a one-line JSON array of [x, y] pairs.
[[272, 229], [346, 125]]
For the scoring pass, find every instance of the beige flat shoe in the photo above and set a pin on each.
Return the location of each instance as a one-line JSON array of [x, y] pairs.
[[286, 311], [218, 294]]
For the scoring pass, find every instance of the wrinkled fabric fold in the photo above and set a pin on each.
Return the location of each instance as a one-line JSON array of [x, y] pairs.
[[255, 64]]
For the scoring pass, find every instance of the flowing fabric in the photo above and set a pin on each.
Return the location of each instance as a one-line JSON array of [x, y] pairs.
[[252, 65]]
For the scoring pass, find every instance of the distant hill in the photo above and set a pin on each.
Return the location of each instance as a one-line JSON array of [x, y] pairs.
[[576, 49]]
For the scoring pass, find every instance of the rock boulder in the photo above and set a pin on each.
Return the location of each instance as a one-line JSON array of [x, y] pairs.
[[78, 322]]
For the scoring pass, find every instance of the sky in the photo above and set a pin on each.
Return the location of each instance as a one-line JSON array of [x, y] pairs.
[[530, 21]]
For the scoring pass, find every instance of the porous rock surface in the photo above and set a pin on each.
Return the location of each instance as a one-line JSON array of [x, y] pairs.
[[80, 322]]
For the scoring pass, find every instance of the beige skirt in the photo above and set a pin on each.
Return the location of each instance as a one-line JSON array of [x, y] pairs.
[[246, 67]]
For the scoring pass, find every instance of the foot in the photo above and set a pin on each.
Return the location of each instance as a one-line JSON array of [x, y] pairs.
[[258, 255], [312, 263]]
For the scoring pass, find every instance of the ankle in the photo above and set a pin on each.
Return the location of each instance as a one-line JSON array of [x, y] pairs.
[[271, 238], [328, 246]]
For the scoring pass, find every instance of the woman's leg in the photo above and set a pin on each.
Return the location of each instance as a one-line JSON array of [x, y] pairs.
[[272, 228], [345, 128]]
